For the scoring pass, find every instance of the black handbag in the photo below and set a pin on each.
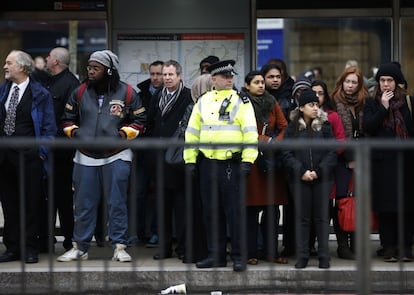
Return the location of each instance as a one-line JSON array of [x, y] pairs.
[[268, 160]]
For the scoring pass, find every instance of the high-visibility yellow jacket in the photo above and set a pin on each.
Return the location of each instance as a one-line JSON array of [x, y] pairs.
[[237, 126]]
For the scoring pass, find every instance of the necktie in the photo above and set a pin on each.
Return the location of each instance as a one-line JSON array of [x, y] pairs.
[[10, 121]]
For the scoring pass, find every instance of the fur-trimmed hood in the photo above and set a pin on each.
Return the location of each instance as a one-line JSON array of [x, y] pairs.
[[316, 124]]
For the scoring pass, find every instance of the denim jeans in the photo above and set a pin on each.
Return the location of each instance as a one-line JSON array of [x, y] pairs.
[[92, 183]]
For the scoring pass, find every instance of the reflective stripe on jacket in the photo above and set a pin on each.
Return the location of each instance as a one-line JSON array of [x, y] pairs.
[[237, 126]]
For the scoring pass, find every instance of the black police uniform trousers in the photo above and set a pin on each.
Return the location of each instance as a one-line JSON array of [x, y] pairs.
[[222, 205]]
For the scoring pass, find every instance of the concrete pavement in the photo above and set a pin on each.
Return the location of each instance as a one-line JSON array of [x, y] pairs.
[[100, 275]]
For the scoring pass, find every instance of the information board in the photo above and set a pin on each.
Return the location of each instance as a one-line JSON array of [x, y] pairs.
[[137, 52]]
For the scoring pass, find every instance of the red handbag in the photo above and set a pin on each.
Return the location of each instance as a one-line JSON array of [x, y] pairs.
[[346, 209]]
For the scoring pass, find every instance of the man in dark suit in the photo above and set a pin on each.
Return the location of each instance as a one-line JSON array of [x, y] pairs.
[[61, 82], [26, 111], [167, 107]]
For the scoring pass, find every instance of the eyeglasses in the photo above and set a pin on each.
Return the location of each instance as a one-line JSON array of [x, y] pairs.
[[94, 69], [319, 93]]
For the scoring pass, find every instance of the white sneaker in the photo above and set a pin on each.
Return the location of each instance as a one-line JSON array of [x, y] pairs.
[[73, 254], [120, 254]]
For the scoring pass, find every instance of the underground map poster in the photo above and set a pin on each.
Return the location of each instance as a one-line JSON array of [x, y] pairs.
[[136, 52]]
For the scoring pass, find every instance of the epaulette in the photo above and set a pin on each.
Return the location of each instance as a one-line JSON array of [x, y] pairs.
[[243, 96]]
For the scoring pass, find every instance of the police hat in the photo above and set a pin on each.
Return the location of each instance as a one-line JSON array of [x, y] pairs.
[[224, 67]]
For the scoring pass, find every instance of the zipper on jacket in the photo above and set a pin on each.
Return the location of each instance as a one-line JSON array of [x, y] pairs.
[[311, 159], [100, 103]]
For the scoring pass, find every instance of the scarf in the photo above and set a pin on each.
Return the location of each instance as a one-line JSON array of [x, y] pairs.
[[167, 101], [350, 99], [346, 117], [395, 120], [262, 105]]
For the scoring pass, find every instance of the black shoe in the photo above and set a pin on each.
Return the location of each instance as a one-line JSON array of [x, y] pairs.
[[301, 263], [100, 242], [67, 244], [239, 266], [345, 253], [210, 262], [324, 263], [160, 256], [9, 256], [390, 255], [31, 258], [380, 252]]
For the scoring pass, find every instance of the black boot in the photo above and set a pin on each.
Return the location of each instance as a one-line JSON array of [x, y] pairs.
[[344, 251]]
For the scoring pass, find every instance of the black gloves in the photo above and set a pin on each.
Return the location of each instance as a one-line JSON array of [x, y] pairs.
[[245, 168], [190, 169]]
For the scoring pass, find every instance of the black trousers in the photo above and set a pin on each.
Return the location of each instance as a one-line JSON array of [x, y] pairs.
[[62, 199], [21, 174], [170, 212], [390, 233], [269, 227], [223, 204], [312, 207]]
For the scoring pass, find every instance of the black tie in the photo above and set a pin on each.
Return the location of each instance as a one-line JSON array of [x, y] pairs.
[[10, 121]]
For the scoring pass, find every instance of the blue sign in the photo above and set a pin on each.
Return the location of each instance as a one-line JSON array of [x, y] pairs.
[[269, 45]]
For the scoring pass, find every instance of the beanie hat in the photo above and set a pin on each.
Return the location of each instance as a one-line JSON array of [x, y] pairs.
[[300, 84], [307, 96], [390, 69], [211, 59], [106, 58]]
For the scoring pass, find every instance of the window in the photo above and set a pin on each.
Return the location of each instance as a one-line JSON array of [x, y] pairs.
[[304, 43], [38, 37]]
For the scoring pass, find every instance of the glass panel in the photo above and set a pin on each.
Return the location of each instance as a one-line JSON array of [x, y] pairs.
[[407, 54], [39, 37], [325, 42]]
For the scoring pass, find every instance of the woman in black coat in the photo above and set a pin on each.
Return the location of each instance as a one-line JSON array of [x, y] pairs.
[[388, 116], [310, 173]]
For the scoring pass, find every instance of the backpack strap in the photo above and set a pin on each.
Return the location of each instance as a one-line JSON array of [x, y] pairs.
[[80, 92], [128, 95], [83, 86]]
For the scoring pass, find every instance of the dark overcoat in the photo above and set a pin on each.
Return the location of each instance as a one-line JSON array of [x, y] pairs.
[[385, 172]]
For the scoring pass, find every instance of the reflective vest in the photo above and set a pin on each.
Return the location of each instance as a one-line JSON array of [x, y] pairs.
[[237, 125]]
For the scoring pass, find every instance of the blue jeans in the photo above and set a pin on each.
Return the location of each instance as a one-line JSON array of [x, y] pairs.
[[91, 183]]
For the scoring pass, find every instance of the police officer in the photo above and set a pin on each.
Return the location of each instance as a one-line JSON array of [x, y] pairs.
[[222, 115]]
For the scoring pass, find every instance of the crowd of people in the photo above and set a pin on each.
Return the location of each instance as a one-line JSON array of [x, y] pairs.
[[220, 200]]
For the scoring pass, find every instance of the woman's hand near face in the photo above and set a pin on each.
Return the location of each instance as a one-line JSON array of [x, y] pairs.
[[385, 98]]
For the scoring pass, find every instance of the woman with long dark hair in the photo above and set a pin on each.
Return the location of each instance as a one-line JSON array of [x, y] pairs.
[[271, 125]]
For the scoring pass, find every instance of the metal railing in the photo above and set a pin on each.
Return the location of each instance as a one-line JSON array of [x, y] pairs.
[[363, 284]]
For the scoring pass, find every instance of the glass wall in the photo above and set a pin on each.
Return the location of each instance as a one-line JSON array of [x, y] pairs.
[[38, 37], [407, 52], [328, 43]]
